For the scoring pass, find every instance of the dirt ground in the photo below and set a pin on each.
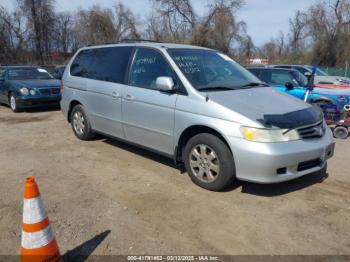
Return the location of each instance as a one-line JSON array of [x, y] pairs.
[[105, 197]]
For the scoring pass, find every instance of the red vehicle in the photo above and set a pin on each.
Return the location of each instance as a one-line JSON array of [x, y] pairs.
[[331, 86], [339, 121]]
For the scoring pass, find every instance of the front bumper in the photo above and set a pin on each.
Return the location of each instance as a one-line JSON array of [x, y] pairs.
[[278, 162], [33, 102]]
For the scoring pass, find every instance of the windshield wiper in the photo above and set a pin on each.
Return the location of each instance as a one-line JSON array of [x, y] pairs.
[[252, 84], [215, 88]]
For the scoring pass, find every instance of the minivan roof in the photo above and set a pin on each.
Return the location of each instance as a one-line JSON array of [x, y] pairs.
[[149, 44]]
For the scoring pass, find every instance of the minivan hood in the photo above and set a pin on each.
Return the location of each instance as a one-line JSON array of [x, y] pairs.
[[268, 107], [37, 83]]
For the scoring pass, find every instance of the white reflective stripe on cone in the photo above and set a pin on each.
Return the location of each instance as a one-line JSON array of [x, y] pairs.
[[37, 239], [33, 210]]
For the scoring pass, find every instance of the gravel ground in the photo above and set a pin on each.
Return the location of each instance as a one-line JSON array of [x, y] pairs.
[[105, 197]]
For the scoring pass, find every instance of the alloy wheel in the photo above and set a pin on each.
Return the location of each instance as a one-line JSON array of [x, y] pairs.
[[13, 103], [79, 123], [204, 163]]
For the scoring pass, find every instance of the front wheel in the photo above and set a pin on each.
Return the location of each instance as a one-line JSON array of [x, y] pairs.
[[13, 103], [81, 124], [209, 162]]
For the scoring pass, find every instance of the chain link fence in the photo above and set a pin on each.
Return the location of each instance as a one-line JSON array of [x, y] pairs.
[[337, 71]]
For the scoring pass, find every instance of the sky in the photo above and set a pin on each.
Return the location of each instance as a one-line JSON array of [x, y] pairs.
[[265, 18]]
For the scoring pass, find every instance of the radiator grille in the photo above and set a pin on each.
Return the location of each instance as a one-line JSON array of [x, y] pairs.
[[313, 131]]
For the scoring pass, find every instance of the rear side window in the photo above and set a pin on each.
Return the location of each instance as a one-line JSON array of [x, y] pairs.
[[265, 76], [281, 77], [105, 64], [301, 69]]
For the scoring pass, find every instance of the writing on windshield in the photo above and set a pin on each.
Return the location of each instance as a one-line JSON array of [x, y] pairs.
[[208, 69]]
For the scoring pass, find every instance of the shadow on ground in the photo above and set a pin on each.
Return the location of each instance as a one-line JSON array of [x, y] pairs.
[[42, 109], [140, 151], [83, 251], [285, 187], [36, 109]]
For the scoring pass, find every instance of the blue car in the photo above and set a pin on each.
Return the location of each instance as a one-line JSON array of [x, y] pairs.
[[292, 82], [23, 87]]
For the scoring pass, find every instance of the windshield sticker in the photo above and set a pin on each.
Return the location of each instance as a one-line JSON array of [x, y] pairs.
[[42, 70]]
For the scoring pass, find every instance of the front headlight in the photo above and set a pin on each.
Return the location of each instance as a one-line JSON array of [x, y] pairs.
[[24, 91], [269, 135]]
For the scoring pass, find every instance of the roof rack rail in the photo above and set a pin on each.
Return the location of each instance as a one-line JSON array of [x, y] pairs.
[[126, 40]]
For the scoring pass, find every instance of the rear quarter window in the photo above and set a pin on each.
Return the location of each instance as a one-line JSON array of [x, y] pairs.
[[105, 64]]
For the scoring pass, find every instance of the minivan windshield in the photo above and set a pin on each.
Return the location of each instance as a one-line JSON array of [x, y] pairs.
[[29, 73], [209, 70]]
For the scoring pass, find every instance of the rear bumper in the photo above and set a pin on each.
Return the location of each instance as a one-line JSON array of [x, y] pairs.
[[267, 163], [38, 102]]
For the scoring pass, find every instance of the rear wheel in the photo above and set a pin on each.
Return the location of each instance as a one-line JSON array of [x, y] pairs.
[[209, 162], [341, 132], [81, 124]]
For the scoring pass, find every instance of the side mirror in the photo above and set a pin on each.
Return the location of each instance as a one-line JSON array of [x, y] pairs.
[[307, 74], [164, 83], [289, 86]]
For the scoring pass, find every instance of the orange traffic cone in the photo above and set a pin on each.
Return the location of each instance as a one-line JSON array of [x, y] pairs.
[[38, 241]]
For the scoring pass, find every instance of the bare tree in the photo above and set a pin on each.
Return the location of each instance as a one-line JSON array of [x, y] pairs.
[[329, 26], [298, 31], [125, 23], [12, 36], [173, 21], [100, 25], [219, 27], [40, 16]]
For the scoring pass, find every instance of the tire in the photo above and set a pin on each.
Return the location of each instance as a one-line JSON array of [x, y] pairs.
[[13, 103], [341, 132], [80, 124], [209, 162]]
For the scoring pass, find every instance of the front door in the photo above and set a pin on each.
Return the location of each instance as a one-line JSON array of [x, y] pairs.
[[148, 114]]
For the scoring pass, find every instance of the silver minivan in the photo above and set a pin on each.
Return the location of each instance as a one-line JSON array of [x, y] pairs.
[[197, 106]]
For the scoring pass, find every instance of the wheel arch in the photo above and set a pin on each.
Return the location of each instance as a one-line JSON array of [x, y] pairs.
[[72, 104], [322, 98], [191, 131]]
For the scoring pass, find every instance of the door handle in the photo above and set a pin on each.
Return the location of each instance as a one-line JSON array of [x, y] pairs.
[[129, 97], [115, 95]]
